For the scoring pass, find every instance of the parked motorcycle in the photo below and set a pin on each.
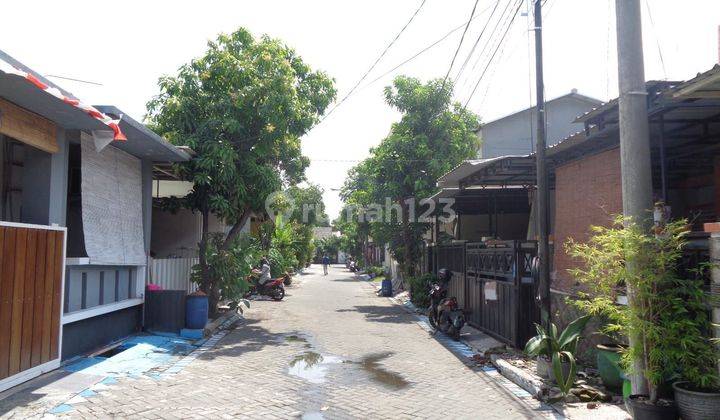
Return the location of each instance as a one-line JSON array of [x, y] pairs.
[[444, 312], [273, 288]]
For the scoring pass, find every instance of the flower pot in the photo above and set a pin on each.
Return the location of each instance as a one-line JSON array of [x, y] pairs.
[[641, 409], [608, 363], [545, 370], [696, 405]]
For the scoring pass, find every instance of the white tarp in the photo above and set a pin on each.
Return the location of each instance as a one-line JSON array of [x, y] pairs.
[[112, 206]]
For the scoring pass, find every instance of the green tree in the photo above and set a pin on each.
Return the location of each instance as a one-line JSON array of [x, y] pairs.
[[242, 107], [433, 135]]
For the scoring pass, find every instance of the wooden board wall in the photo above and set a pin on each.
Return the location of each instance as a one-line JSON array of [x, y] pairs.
[[30, 292], [29, 128]]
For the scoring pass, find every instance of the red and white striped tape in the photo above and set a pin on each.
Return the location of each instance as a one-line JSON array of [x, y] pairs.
[[114, 125]]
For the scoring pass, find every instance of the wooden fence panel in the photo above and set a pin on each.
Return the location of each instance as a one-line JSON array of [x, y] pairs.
[[31, 263]]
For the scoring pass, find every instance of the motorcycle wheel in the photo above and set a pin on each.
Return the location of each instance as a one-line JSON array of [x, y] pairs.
[[454, 333], [431, 319], [278, 293]]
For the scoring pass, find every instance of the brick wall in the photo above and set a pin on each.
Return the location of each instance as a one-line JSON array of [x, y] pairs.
[[587, 192]]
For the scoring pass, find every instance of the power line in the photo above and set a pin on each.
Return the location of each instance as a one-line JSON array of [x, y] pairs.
[[74, 80], [657, 39], [497, 47], [376, 61], [424, 50], [472, 50], [489, 41], [462, 38]]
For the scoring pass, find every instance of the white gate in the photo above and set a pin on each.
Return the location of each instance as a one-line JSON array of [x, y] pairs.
[[172, 273]]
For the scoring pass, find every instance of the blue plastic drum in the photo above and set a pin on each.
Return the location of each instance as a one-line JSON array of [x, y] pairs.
[[196, 312]]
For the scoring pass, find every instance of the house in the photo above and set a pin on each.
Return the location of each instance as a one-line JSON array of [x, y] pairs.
[[176, 232], [585, 189], [109, 220], [75, 197], [515, 134]]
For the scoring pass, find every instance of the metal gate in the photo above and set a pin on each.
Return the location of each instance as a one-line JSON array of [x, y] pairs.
[[494, 285]]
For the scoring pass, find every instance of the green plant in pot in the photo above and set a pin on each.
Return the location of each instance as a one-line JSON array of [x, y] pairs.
[[646, 261], [697, 392], [555, 352], [613, 319]]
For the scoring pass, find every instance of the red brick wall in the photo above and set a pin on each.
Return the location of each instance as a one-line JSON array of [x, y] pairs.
[[587, 192]]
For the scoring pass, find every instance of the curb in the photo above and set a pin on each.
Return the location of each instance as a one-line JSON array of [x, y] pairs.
[[517, 376], [217, 323], [464, 352]]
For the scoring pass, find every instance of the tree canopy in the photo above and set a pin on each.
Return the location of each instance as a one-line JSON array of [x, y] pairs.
[[242, 107], [433, 135]]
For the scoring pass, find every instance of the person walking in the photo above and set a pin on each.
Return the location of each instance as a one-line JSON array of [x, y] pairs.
[[325, 263]]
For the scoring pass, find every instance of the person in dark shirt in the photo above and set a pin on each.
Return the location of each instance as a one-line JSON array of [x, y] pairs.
[[325, 263]]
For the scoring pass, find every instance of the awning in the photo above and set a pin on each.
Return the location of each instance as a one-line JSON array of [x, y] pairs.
[[468, 168], [143, 142]]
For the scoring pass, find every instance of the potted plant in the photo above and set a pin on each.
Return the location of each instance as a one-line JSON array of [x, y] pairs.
[[556, 352], [647, 262], [697, 393]]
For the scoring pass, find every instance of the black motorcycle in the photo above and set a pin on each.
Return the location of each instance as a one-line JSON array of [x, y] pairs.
[[444, 313]]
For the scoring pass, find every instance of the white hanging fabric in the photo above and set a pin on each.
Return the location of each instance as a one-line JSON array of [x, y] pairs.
[[111, 206]]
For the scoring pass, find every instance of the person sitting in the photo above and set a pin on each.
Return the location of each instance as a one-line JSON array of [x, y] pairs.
[[263, 272]]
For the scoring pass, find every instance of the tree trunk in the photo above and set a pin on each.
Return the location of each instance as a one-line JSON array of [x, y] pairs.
[[409, 263], [206, 283], [236, 228]]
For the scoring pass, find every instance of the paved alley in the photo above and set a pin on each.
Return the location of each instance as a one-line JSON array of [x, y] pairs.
[[332, 349]]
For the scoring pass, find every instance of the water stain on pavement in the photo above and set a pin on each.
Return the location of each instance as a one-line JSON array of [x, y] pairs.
[[371, 364], [295, 338], [311, 366]]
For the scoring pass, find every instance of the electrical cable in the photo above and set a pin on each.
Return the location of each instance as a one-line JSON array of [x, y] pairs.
[[387, 48], [462, 38], [657, 38], [497, 47], [414, 56], [490, 41], [477, 41]]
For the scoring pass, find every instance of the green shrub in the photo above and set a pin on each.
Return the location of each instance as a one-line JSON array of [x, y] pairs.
[[377, 271], [228, 266], [420, 288]]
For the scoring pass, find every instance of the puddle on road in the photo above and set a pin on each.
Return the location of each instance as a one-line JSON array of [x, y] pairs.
[[370, 364], [311, 366], [298, 339], [314, 415]]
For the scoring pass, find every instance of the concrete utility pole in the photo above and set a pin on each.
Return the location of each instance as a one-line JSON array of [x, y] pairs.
[[634, 136], [542, 214]]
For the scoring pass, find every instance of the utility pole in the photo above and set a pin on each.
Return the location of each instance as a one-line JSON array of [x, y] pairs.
[[634, 138], [542, 214]]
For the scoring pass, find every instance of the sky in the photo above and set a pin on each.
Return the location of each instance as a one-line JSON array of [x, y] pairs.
[[127, 46]]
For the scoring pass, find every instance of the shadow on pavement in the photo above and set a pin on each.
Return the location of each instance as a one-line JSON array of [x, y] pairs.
[[23, 395], [348, 279], [389, 314], [247, 338]]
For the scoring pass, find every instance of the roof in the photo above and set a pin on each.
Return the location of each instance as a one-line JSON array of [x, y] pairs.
[[498, 171], [572, 95], [143, 142], [684, 115], [18, 91]]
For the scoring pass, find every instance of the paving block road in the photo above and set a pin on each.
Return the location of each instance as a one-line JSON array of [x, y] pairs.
[[332, 349]]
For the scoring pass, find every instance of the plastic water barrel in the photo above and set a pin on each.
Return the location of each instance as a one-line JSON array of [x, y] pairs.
[[387, 287], [196, 312]]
